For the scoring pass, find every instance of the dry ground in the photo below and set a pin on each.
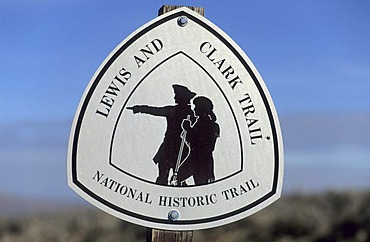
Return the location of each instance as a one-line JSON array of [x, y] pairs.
[[330, 216]]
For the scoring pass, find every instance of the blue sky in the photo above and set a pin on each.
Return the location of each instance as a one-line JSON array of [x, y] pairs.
[[314, 57]]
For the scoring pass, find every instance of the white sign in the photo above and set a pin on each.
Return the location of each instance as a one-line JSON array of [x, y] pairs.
[[176, 130]]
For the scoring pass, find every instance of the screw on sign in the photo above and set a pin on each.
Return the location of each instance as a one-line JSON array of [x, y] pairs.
[[176, 130], [182, 21]]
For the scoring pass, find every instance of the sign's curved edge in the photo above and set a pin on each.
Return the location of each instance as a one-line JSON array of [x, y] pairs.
[[76, 126]]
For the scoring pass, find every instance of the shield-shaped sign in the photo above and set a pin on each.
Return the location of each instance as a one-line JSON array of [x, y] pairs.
[[176, 130]]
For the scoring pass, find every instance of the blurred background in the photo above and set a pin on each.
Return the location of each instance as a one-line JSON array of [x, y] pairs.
[[314, 57]]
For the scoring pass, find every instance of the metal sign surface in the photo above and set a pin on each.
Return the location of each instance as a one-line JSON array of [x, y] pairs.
[[176, 130]]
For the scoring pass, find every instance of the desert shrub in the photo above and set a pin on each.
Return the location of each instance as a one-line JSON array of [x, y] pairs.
[[325, 217]]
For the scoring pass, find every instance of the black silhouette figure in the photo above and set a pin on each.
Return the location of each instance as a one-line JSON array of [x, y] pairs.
[[168, 152], [201, 136]]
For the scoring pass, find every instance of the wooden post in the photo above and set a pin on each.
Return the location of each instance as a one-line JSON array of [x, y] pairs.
[[167, 8], [156, 235]]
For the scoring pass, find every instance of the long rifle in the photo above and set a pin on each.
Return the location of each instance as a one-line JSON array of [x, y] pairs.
[[179, 161]]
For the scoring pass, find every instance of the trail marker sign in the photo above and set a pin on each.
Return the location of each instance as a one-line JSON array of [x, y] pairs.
[[176, 130]]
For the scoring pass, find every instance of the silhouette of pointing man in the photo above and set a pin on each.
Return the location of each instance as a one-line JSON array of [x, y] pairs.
[[167, 154]]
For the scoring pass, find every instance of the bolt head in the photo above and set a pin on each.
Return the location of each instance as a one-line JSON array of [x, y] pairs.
[[173, 215], [182, 21]]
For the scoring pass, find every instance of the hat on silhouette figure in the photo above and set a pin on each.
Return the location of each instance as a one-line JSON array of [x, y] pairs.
[[183, 91]]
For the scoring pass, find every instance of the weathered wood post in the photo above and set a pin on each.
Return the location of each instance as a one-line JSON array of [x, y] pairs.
[[167, 8], [155, 235]]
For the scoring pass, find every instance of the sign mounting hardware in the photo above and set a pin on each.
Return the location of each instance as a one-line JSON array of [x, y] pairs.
[[176, 129]]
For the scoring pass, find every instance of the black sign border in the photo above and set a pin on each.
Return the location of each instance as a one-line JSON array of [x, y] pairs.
[[92, 89]]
